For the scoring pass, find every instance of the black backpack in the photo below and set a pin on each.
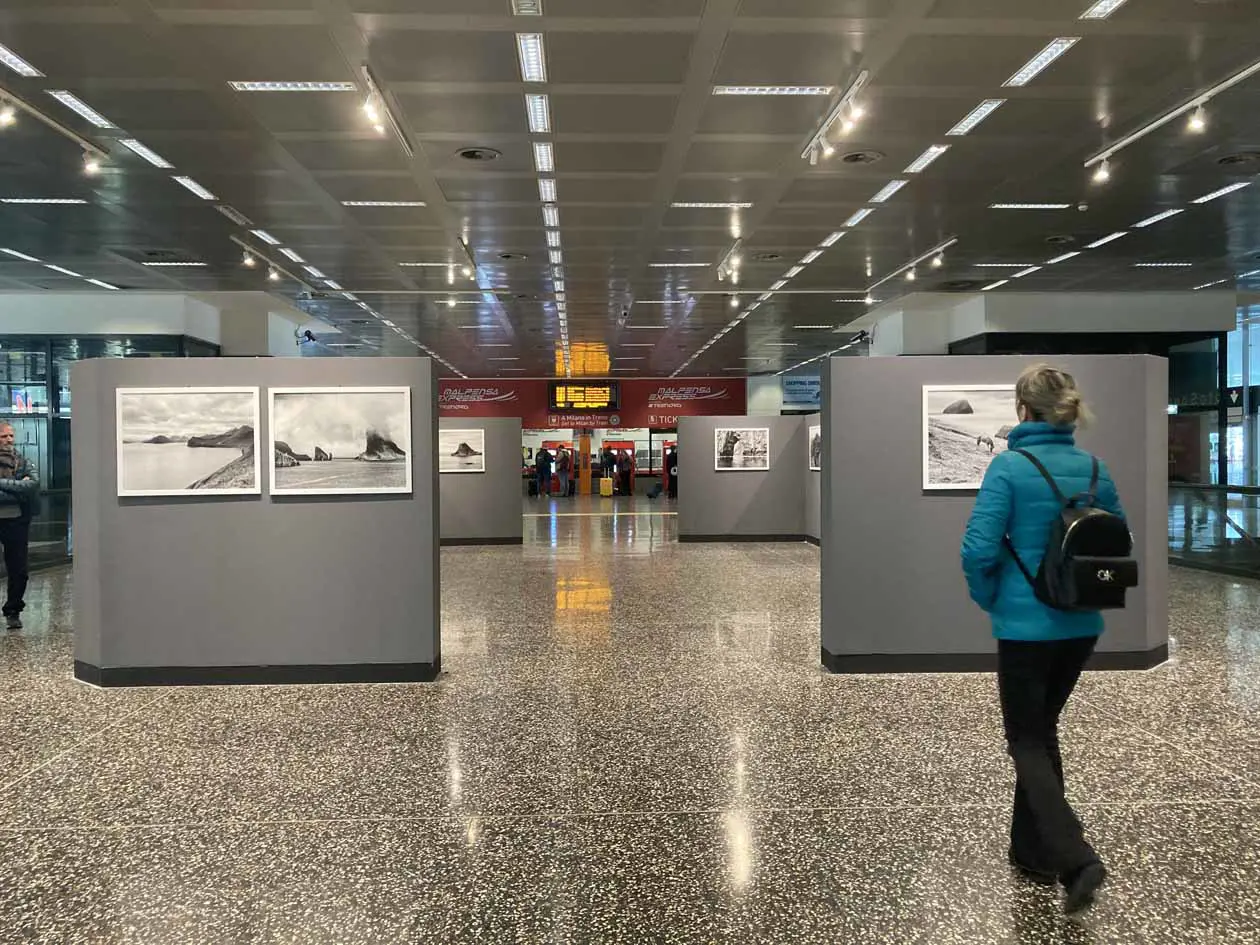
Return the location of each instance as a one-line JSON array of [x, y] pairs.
[[1088, 564]]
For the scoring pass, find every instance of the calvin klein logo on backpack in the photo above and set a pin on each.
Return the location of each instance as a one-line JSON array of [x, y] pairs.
[[1088, 564]]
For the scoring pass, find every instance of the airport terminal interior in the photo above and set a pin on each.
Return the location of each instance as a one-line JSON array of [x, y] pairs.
[[502, 466]]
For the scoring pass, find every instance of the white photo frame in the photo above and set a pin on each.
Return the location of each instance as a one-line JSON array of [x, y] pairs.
[[741, 449], [959, 445], [331, 413], [451, 455], [813, 447], [177, 417]]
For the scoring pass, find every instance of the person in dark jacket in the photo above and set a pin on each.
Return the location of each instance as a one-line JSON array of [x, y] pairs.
[[1041, 651], [542, 468], [19, 492]]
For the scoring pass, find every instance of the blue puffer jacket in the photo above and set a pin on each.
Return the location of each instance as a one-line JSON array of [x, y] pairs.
[[1015, 500]]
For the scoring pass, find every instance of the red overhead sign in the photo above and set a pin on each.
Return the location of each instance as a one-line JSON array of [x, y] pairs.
[[644, 402]]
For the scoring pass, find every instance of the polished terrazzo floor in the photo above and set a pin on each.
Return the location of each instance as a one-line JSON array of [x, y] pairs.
[[632, 743]]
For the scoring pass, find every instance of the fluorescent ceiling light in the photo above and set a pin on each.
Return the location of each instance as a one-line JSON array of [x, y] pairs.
[[551, 216], [294, 86], [426, 265], [977, 115], [191, 185], [1163, 265], [1222, 192], [145, 152], [833, 238], [778, 285], [646, 327], [678, 265], [1065, 256], [234, 215], [793, 272], [19, 65], [527, 7], [1034, 66], [1025, 272], [810, 257], [315, 272], [544, 157], [1029, 206], [812, 327], [266, 237], [382, 203], [995, 285], [63, 270], [529, 49], [556, 257], [1208, 285], [773, 89], [927, 157], [173, 265], [659, 301], [558, 285], [292, 255], [547, 189], [103, 285], [553, 238], [1000, 265], [332, 285], [1248, 275], [781, 344], [14, 252], [48, 200], [539, 110], [888, 190], [858, 217], [1107, 239], [1159, 216], [81, 108], [1102, 9], [710, 206]]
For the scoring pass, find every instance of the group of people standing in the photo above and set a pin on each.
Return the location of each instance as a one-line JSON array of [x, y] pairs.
[[617, 465]]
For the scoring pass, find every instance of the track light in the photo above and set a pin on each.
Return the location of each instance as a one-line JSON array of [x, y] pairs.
[[7, 116], [468, 272], [273, 274], [734, 303], [1103, 174], [248, 261], [857, 112], [847, 125], [938, 260], [450, 303], [827, 149], [1198, 121], [870, 299], [911, 275], [91, 164]]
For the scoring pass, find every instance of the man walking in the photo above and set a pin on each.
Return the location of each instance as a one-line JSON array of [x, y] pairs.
[[19, 489], [542, 468]]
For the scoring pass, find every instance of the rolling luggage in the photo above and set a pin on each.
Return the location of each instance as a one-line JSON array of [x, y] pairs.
[[606, 488]]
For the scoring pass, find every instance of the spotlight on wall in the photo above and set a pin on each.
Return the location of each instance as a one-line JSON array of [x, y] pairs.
[[248, 260], [1103, 174]]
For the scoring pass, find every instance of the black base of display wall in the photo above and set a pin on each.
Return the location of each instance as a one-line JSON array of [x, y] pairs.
[[111, 676], [811, 540], [483, 541], [863, 663], [744, 538]]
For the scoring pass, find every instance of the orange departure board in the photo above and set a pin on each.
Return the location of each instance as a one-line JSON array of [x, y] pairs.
[[585, 396]]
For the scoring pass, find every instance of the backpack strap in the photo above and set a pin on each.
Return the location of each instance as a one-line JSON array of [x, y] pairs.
[[1093, 480], [1045, 473], [1032, 582]]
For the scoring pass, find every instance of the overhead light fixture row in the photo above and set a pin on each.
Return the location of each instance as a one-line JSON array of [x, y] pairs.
[[551, 216], [81, 108], [710, 206], [679, 265], [292, 254], [532, 55], [977, 115], [1026, 272], [22, 256], [553, 238], [1159, 216], [266, 237], [145, 152], [383, 203], [934, 252], [1030, 206], [1063, 258], [1222, 192], [1040, 62], [544, 157], [995, 285], [1163, 265], [833, 238], [538, 110], [44, 200], [818, 144], [294, 86], [1107, 239], [773, 89], [193, 187], [858, 217], [19, 65], [922, 162], [188, 263], [888, 190], [1102, 9], [547, 189], [1208, 285]]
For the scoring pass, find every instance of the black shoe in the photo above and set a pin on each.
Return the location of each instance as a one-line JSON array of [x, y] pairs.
[[12, 622], [1040, 877], [1082, 888]]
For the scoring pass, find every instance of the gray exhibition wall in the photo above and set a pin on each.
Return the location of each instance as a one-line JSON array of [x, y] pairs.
[[893, 596], [717, 506], [171, 590], [485, 508]]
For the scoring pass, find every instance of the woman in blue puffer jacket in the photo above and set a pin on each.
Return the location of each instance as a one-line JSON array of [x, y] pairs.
[[1041, 651]]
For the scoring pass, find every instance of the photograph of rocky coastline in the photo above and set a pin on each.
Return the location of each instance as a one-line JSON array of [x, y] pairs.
[[462, 451], [340, 440], [963, 429], [746, 450], [188, 441], [815, 448]]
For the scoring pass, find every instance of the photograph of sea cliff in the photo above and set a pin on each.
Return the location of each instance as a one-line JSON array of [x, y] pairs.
[[340, 440], [462, 451], [964, 428], [188, 441]]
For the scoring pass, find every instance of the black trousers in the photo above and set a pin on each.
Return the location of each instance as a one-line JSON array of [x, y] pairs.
[[15, 535], [1034, 683]]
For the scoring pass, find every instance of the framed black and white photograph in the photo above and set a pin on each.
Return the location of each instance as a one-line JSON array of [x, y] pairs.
[[340, 440], [462, 451], [741, 449], [195, 441], [963, 429], [815, 448]]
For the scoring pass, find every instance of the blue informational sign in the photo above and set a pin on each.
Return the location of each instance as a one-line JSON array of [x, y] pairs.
[[802, 391]]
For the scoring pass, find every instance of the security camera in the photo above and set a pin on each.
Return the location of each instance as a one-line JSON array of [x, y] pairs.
[[304, 336]]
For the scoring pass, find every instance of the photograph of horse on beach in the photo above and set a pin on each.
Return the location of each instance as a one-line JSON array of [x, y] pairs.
[[963, 429]]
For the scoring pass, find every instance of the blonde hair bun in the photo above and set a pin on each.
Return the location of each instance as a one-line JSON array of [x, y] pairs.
[[1051, 395]]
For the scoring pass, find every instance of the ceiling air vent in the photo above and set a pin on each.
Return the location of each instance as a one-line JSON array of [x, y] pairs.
[[513, 256], [479, 155], [1239, 158], [861, 157], [1061, 239], [767, 257], [960, 285]]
